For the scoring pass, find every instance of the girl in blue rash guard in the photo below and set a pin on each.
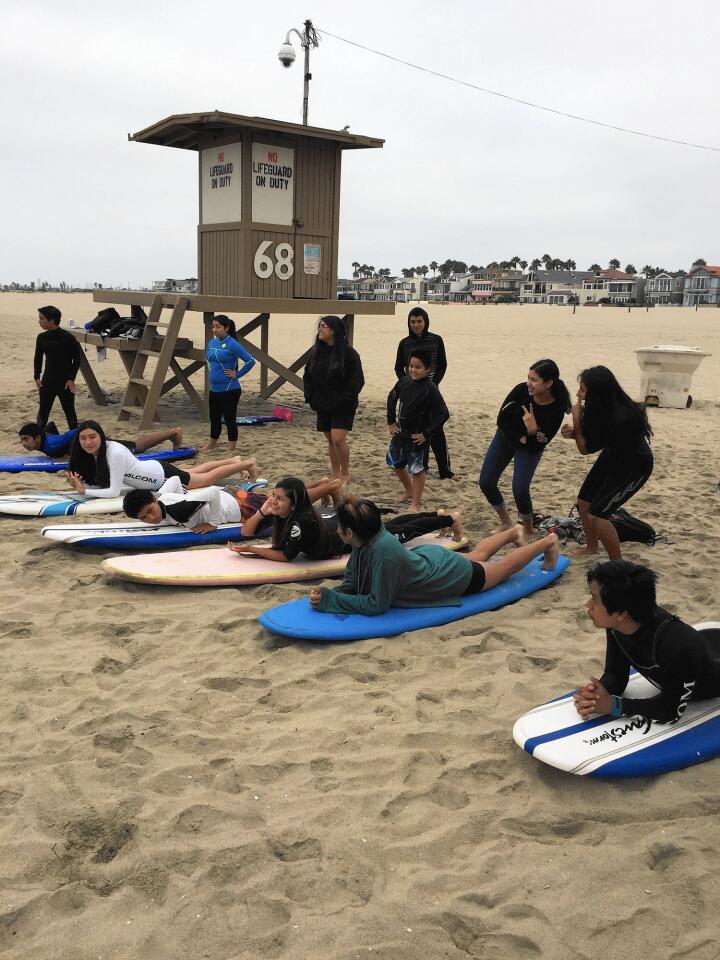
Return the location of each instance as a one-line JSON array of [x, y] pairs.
[[36, 439], [222, 354]]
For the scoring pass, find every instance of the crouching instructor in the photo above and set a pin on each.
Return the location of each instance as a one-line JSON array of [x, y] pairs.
[[61, 354]]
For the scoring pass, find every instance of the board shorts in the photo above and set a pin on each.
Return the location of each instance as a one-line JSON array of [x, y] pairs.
[[611, 482], [477, 579], [403, 452], [128, 444], [328, 420], [170, 470]]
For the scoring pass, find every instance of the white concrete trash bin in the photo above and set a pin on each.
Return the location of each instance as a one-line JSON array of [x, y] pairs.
[[667, 371]]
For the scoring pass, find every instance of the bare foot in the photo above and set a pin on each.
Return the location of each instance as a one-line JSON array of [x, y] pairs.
[[455, 530], [455, 476], [406, 498], [232, 446], [580, 552], [176, 437], [503, 527], [414, 508], [521, 537], [552, 553], [210, 445], [252, 470]]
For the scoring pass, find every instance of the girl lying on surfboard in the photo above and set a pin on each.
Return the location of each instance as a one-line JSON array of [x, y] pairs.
[[205, 510], [298, 528], [101, 468], [381, 574]]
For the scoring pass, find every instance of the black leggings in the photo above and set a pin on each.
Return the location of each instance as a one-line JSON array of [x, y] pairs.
[[411, 525], [48, 392], [223, 406]]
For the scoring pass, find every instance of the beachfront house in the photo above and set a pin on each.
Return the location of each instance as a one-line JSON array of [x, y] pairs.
[[665, 288], [495, 285], [613, 286], [702, 286], [189, 285], [553, 286]]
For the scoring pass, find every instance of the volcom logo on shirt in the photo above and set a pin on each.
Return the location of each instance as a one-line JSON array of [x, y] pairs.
[[295, 532]]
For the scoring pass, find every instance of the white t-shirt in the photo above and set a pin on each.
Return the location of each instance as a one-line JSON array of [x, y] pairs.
[[127, 471], [218, 506]]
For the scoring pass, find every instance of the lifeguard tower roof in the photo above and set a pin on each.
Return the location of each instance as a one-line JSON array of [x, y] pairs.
[[193, 131]]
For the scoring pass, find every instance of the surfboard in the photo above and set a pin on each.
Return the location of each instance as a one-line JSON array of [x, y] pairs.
[[622, 746], [134, 535], [39, 463], [298, 620], [72, 504], [223, 568]]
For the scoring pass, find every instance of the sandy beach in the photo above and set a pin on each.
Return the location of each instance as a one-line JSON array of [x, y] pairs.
[[178, 783]]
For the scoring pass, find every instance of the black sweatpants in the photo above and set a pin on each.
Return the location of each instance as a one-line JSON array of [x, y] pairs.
[[411, 525], [48, 392], [223, 406], [438, 445]]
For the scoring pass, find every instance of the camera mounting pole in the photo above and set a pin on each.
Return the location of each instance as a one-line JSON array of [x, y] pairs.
[[308, 38]]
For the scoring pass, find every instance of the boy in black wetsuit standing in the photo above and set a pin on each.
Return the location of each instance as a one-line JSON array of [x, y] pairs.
[[420, 338], [61, 353], [415, 412], [681, 662]]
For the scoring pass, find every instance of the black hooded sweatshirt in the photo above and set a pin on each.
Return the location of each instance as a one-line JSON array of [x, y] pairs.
[[329, 387], [432, 342], [416, 406]]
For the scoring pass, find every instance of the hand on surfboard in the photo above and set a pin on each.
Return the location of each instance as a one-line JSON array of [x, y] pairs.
[[592, 698]]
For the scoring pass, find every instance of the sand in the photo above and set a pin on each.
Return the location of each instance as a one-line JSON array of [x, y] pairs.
[[177, 783]]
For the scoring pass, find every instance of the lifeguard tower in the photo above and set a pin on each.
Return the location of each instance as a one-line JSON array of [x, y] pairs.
[[268, 232]]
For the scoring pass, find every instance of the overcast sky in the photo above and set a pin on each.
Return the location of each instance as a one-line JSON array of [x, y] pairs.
[[462, 175]]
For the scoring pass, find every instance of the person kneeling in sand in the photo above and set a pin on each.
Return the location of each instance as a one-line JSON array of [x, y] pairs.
[[381, 573], [681, 662]]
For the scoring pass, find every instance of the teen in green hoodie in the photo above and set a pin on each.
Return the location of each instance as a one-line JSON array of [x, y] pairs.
[[381, 573]]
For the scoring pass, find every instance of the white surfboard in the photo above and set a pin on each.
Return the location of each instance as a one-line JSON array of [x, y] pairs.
[[622, 746], [58, 505], [223, 568]]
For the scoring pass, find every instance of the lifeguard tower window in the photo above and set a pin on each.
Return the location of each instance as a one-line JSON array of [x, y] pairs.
[[269, 202]]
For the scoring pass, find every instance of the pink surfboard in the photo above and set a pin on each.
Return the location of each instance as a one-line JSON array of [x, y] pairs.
[[220, 567]]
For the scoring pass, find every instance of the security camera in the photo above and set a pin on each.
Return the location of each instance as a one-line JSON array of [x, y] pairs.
[[286, 55]]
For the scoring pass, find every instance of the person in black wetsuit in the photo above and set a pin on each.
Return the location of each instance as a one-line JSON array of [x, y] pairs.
[[332, 381], [60, 352], [300, 529], [419, 337], [415, 410], [530, 416], [606, 419], [683, 663]]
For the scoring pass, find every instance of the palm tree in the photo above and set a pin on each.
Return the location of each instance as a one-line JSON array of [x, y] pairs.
[[648, 271], [570, 265], [595, 267], [546, 258], [535, 264], [523, 264], [699, 263], [423, 270], [614, 264], [434, 266], [356, 269], [630, 269]]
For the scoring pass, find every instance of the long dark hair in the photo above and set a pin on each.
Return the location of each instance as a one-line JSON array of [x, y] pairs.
[[93, 469], [336, 353], [605, 403], [299, 504], [360, 517], [548, 370], [227, 323]]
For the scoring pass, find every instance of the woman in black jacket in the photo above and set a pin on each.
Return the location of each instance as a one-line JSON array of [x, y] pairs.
[[529, 418], [332, 380]]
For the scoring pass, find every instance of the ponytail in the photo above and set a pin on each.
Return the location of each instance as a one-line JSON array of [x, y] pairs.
[[548, 370]]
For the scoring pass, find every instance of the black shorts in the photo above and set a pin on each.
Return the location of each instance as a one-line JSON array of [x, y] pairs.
[[477, 579], [129, 444], [328, 420], [611, 483], [170, 470]]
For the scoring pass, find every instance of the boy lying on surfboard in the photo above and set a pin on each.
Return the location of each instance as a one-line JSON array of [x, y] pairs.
[[682, 663]]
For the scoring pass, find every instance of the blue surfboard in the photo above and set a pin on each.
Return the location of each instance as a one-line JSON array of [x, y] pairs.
[[39, 463], [624, 746], [298, 620]]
